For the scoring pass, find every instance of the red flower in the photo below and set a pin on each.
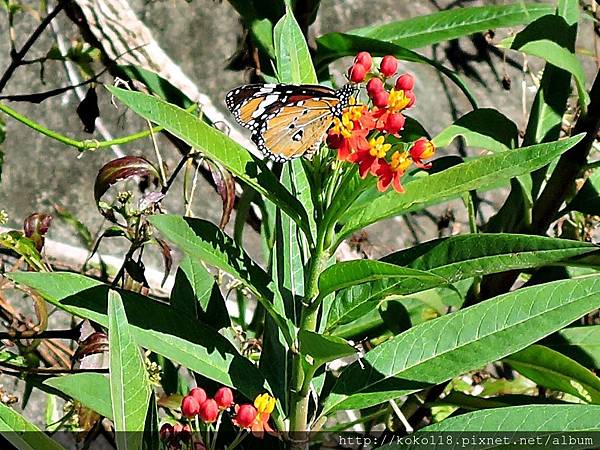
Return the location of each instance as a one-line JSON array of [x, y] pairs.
[[209, 411], [388, 66], [189, 406], [245, 415], [411, 97], [364, 59], [420, 150], [199, 394], [405, 82], [394, 123], [391, 173], [224, 398], [264, 405], [357, 73]]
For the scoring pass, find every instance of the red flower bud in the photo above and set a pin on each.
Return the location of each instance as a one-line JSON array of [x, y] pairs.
[[209, 411], [394, 123], [374, 85], [364, 59], [199, 394], [189, 406], [380, 99], [405, 82], [166, 431], [245, 416], [357, 73], [388, 66], [410, 95], [177, 428], [224, 398]]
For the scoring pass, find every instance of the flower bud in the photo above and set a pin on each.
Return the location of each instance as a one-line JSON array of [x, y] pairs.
[[380, 99], [224, 398], [411, 96], [373, 86], [364, 59], [422, 149], [189, 406], [405, 82], [166, 431], [388, 66], [245, 416], [199, 394], [357, 73], [394, 123], [209, 411]]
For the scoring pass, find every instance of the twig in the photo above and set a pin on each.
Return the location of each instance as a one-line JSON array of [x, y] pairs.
[[47, 370], [17, 57]]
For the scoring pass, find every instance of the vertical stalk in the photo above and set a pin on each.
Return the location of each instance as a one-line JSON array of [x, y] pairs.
[[308, 322]]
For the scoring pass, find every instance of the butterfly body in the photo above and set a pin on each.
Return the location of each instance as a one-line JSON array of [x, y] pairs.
[[287, 121]]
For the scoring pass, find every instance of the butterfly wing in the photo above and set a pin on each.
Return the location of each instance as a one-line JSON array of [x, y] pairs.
[[286, 120], [294, 130]]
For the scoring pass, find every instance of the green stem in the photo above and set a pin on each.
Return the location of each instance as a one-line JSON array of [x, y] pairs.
[[88, 144], [308, 322]]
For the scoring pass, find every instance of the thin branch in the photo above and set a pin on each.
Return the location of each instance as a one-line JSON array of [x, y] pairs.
[[17, 57]]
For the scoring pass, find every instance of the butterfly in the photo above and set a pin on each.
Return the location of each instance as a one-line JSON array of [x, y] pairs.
[[286, 120]]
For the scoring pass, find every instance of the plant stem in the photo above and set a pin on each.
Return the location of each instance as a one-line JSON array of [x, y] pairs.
[[88, 144], [308, 322]]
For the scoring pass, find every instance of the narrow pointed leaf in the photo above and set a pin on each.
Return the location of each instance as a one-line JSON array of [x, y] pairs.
[[421, 31], [551, 369], [580, 343], [443, 348], [129, 384], [91, 389], [457, 258], [294, 64]]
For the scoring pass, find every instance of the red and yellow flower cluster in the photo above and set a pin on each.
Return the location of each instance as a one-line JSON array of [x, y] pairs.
[[361, 135], [196, 405]]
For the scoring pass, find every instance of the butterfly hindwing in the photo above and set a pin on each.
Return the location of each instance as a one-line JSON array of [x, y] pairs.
[[287, 121]]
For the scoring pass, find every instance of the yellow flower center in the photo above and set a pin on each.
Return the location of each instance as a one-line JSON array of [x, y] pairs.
[[400, 161], [397, 101], [378, 147], [344, 126], [264, 403]]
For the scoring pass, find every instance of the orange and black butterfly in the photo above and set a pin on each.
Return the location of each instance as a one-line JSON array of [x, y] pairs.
[[286, 120]]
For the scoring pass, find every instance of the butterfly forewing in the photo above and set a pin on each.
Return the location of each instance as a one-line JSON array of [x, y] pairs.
[[287, 121]]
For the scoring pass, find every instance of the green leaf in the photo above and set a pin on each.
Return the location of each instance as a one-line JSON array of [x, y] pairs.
[[15, 241], [203, 240], [129, 384], [350, 273], [157, 85], [337, 45], [323, 348], [450, 183], [23, 434], [548, 38], [551, 369], [216, 146], [422, 31], [550, 422], [457, 258], [587, 199], [91, 389], [580, 343], [294, 64], [196, 292], [448, 346], [482, 128], [154, 325]]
